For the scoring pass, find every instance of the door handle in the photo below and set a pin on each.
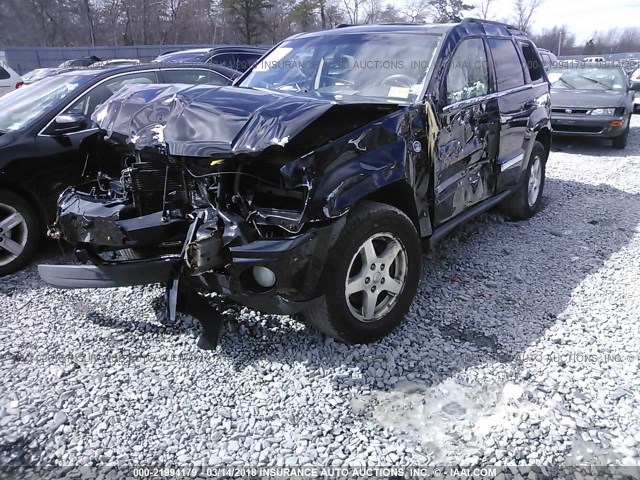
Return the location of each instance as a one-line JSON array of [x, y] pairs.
[[529, 104]]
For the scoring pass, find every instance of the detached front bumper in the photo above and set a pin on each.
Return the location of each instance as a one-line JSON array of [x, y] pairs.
[[295, 263], [602, 126]]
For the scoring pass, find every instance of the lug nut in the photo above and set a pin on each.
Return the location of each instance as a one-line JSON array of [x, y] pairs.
[[382, 267], [373, 266], [373, 289], [367, 281], [382, 281]]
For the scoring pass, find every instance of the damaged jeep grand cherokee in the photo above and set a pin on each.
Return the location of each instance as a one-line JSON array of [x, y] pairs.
[[308, 186]]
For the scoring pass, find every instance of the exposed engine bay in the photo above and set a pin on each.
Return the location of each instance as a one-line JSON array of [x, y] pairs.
[[239, 193]]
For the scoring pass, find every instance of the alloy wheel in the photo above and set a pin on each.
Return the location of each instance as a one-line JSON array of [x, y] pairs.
[[376, 277], [535, 181], [13, 234]]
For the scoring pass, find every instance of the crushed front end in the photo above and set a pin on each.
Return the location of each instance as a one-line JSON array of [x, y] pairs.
[[234, 216]]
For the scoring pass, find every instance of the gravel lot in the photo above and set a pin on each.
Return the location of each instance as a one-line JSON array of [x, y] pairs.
[[521, 348]]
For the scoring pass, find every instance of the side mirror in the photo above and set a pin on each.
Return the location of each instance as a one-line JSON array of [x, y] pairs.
[[68, 123]]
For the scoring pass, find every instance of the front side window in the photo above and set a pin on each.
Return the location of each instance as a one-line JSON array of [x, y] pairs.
[[380, 66], [509, 71], [87, 103], [4, 74], [194, 77], [24, 106], [468, 75]]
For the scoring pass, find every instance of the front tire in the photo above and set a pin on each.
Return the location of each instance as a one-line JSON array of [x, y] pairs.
[[620, 143], [19, 232], [372, 276], [527, 199]]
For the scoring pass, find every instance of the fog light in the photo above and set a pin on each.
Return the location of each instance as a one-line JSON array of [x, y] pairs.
[[264, 277], [616, 123]]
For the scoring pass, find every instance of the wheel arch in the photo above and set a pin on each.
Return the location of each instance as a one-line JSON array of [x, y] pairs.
[[544, 137], [400, 195]]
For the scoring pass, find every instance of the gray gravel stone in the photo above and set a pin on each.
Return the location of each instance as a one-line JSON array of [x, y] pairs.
[[508, 352]]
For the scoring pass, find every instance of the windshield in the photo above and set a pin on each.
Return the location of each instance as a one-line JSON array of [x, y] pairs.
[[38, 74], [588, 78], [183, 57], [391, 67], [24, 106]]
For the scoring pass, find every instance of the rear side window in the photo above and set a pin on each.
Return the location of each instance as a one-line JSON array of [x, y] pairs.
[[4, 74], [468, 75], [534, 63], [509, 71], [245, 60], [223, 59]]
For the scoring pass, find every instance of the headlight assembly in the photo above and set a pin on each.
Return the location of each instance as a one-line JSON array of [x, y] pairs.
[[602, 111]]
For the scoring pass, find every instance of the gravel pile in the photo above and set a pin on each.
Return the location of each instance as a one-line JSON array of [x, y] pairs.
[[521, 347]]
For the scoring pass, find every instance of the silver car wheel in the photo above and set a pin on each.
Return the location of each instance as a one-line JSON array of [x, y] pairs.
[[535, 181], [13, 234], [376, 277]]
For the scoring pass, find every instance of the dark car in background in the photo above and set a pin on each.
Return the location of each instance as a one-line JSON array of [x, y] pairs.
[[591, 100], [46, 134], [308, 185], [237, 57], [80, 62]]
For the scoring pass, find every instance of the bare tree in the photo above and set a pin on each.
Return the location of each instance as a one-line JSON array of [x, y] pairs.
[[435, 11], [249, 17], [484, 9], [524, 11]]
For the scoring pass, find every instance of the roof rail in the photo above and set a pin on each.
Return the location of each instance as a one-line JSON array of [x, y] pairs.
[[402, 23], [343, 25], [490, 22]]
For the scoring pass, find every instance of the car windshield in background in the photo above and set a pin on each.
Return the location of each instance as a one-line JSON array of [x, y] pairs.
[[24, 106], [587, 78], [38, 74], [391, 67], [183, 57]]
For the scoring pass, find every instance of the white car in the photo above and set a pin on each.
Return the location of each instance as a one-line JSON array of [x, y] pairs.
[[9, 80], [635, 85]]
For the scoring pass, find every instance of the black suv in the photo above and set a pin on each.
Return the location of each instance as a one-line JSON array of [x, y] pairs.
[[307, 186]]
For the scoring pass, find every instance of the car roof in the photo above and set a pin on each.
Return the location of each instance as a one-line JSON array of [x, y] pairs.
[[436, 29], [108, 70], [472, 26], [218, 47]]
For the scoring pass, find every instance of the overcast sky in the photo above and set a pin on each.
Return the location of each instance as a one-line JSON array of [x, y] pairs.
[[583, 17]]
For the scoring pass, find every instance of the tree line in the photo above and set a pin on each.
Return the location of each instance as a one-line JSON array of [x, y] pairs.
[[171, 22]]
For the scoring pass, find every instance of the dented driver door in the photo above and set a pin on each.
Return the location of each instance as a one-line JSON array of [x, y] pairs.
[[469, 134]]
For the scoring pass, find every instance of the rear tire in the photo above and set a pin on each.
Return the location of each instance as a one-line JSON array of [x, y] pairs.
[[20, 232], [377, 259], [527, 199]]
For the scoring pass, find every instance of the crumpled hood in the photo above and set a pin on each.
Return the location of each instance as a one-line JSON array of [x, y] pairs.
[[587, 98], [204, 121]]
